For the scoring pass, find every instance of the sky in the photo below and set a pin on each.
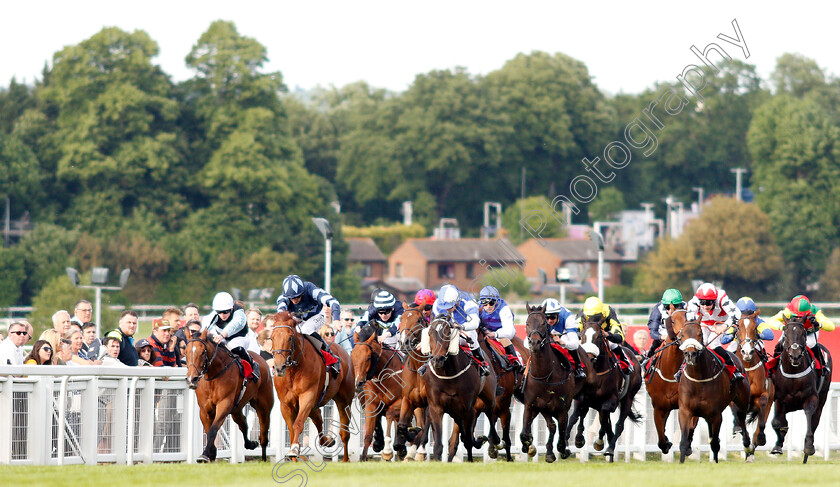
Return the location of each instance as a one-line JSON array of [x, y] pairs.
[[627, 46]]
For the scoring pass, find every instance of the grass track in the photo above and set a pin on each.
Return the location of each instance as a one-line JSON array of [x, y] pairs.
[[765, 472]]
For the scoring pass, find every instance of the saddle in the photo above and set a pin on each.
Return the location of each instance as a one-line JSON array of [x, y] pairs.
[[328, 358], [498, 351], [244, 368], [730, 369], [565, 353], [623, 362], [469, 353]]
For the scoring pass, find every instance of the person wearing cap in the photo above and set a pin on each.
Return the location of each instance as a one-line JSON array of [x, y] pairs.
[[564, 331], [464, 312], [747, 307], [496, 318], [227, 322], [145, 352], [124, 333], [671, 301], [425, 299], [315, 307], [164, 352], [384, 312], [813, 320]]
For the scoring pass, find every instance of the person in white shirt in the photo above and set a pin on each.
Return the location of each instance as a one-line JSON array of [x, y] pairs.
[[11, 349]]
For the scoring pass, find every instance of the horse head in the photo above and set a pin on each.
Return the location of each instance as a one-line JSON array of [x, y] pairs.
[[691, 341], [198, 358], [442, 338], [365, 355], [794, 336], [410, 329], [747, 333], [536, 327], [284, 342], [675, 321], [592, 338]]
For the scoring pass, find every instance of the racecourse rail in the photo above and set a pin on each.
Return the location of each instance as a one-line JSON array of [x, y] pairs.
[[60, 415]]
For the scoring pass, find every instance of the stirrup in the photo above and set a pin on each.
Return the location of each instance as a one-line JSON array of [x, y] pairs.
[[421, 371], [580, 373], [483, 370]]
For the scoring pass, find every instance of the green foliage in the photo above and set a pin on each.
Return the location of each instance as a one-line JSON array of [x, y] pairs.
[[387, 238], [511, 287], [607, 204], [11, 262], [512, 215], [59, 293], [45, 253]]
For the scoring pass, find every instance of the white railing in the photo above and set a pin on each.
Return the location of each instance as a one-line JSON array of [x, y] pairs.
[[58, 415]]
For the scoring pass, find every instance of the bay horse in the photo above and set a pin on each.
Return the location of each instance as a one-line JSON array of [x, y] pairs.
[[662, 388], [609, 392], [301, 383], [549, 387], [412, 324], [214, 376], [506, 382], [798, 386], [762, 390], [379, 387], [705, 391], [453, 384]]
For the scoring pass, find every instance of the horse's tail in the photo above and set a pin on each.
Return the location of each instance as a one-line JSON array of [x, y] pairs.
[[752, 416], [634, 416]]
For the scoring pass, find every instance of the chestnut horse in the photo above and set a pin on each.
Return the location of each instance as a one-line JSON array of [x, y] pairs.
[[549, 387], [705, 392], [412, 324], [611, 390], [662, 388], [762, 390], [798, 386], [378, 385], [301, 383], [212, 373], [506, 381]]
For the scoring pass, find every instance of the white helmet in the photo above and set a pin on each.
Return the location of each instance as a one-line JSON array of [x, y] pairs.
[[448, 296], [551, 306], [222, 302]]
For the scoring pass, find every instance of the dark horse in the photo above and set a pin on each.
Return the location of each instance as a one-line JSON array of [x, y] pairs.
[[798, 386], [705, 391], [452, 385], [611, 390], [662, 388], [412, 324], [752, 355], [212, 373], [506, 380], [549, 387], [378, 385], [301, 383]]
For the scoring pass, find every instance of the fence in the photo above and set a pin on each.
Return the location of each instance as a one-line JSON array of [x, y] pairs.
[[59, 415]]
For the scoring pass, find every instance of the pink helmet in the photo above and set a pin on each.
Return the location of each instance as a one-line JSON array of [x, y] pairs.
[[425, 296], [707, 290]]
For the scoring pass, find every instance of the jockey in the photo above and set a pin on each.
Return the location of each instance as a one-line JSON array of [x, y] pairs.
[[425, 299], [712, 306], [228, 322], [595, 310], [672, 300], [385, 312], [564, 331], [497, 319], [464, 312], [814, 320], [747, 307], [310, 303]]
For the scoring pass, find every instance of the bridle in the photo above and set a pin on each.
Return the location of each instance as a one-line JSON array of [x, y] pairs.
[[409, 335], [791, 345], [206, 360], [544, 335], [290, 361]]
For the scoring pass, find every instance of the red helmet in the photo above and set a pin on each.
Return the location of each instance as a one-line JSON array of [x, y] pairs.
[[707, 290], [425, 296], [799, 305]]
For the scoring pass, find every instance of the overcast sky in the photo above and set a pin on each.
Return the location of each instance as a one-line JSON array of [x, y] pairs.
[[627, 46]]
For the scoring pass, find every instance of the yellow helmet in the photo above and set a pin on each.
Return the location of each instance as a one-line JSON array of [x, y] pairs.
[[592, 306]]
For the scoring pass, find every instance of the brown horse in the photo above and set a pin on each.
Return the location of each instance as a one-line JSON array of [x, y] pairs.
[[662, 388], [549, 387], [453, 384], [506, 381], [798, 386], [212, 373], [705, 391], [762, 390], [611, 390], [412, 324], [301, 383], [378, 384]]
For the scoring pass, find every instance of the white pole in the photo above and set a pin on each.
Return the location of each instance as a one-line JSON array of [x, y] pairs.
[[738, 172], [98, 311], [327, 263], [601, 274], [562, 294]]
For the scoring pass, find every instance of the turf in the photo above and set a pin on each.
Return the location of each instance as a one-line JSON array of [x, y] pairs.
[[765, 472]]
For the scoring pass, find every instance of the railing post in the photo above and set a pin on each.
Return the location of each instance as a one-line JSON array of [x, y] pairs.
[[90, 420], [6, 408], [147, 419]]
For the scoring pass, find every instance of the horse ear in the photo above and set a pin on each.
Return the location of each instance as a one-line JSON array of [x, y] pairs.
[[371, 339], [527, 306], [757, 312]]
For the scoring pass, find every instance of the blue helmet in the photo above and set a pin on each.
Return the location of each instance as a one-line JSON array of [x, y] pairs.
[[488, 292], [448, 296], [746, 305], [292, 286]]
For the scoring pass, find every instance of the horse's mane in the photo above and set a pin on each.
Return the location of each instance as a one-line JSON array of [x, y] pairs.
[[366, 332]]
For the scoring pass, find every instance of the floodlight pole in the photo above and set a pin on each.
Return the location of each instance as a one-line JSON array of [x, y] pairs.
[[599, 241], [326, 230], [73, 274]]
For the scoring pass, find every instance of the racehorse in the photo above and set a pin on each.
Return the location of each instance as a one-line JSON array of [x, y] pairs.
[[611, 390], [412, 324], [506, 381], [705, 391], [452, 385], [662, 388], [549, 387], [212, 373], [752, 355], [798, 386], [303, 385], [378, 385]]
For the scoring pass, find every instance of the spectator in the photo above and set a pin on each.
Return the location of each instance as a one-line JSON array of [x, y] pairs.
[[161, 341], [76, 342], [193, 327], [82, 312], [264, 340], [53, 336], [640, 339], [254, 319], [145, 352], [328, 333], [112, 351], [61, 322], [125, 333], [65, 354], [191, 312], [11, 349], [41, 354], [344, 337], [90, 344], [268, 322]]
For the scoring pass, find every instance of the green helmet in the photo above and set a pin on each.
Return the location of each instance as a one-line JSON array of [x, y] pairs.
[[672, 296]]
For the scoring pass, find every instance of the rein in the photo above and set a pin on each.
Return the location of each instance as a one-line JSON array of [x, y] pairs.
[[290, 361], [208, 361]]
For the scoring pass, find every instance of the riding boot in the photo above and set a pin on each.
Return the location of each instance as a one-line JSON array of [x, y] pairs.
[[244, 355], [819, 358], [653, 346], [579, 372], [737, 375], [679, 372], [335, 368], [421, 371], [515, 362], [482, 364]]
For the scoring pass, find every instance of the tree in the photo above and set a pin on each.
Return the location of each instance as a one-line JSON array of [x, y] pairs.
[[797, 75], [512, 216], [830, 280], [608, 203]]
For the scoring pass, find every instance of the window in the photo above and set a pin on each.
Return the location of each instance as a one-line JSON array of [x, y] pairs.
[[607, 270], [446, 271], [364, 270], [470, 270], [398, 269]]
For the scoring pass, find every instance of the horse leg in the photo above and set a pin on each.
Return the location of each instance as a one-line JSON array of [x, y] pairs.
[[573, 418], [660, 417], [812, 418], [525, 436], [687, 425], [435, 420], [468, 432], [763, 414], [402, 427], [714, 434], [606, 427], [453, 440], [780, 426], [549, 444], [370, 423], [306, 402], [264, 415], [562, 441], [579, 416], [239, 419], [344, 417], [207, 420], [505, 420]]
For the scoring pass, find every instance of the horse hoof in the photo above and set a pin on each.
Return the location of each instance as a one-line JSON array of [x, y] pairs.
[[761, 439], [420, 457], [598, 445], [202, 459], [387, 456], [579, 441], [810, 450], [750, 458], [665, 447], [609, 455], [550, 458], [251, 445], [777, 450], [737, 431], [481, 440], [378, 446], [532, 451], [492, 453], [565, 454], [805, 459]]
